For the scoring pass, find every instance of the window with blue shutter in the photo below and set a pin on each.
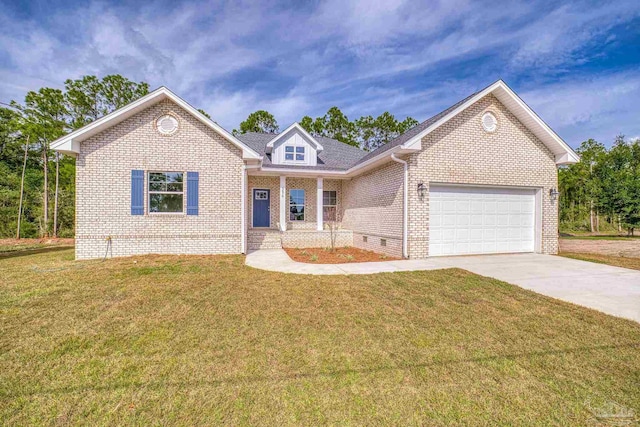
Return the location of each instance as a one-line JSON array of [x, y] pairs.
[[137, 192], [192, 193]]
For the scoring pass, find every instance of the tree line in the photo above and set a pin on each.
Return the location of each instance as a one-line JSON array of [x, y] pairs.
[[366, 132], [602, 192], [37, 186]]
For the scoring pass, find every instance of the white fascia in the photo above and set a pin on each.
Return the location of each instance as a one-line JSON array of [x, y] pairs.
[[70, 143], [563, 155]]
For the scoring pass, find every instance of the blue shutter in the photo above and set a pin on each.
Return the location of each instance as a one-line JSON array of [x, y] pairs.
[[137, 192], [192, 193]]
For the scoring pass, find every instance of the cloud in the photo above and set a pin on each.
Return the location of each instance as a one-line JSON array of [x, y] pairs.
[[408, 57]]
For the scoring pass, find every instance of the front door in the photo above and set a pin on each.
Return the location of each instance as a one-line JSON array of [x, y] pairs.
[[261, 208]]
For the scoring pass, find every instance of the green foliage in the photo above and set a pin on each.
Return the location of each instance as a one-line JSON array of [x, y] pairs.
[[366, 132], [44, 116], [605, 182], [258, 121]]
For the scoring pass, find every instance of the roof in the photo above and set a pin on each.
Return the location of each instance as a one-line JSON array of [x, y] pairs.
[[70, 143], [336, 155]]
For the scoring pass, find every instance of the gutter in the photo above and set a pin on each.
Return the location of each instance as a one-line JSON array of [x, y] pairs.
[[405, 208]]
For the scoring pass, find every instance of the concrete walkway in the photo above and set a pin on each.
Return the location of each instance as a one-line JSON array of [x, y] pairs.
[[612, 290]]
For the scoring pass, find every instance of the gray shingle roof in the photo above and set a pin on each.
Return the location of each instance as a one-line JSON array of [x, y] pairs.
[[338, 155]]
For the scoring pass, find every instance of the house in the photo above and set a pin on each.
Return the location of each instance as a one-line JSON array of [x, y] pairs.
[[157, 176]]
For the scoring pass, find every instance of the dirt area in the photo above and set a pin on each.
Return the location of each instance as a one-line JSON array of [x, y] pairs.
[[337, 256], [621, 248]]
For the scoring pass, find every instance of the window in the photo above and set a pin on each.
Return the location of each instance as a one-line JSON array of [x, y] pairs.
[[166, 192], [329, 202], [261, 195], [290, 151], [296, 205]]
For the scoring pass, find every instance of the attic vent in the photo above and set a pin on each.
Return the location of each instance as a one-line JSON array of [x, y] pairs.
[[167, 124], [489, 122]]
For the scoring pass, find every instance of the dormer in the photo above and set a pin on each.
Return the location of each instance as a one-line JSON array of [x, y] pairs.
[[295, 146]]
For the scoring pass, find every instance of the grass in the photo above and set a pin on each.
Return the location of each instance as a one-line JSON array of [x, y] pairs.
[[597, 237], [618, 261], [208, 341]]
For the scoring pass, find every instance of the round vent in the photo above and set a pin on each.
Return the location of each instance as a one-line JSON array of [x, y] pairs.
[[489, 122], [167, 124]]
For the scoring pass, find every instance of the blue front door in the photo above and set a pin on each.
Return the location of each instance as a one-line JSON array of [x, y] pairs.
[[261, 200]]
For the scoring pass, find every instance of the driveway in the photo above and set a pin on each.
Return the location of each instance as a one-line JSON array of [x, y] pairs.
[[612, 290]]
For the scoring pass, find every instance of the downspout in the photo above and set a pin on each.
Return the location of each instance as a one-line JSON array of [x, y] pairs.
[[405, 208]]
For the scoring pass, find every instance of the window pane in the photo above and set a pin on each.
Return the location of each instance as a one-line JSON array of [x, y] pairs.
[[329, 198], [288, 156], [296, 213], [156, 177], [296, 197], [174, 186], [157, 186], [165, 203], [299, 149], [174, 176], [299, 156], [288, 149]]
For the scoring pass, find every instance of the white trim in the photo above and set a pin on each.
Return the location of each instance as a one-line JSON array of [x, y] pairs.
[[319, 204], [69, 144], [243, 211], [300, 129], [283, 199], [405, 206], [563, 152], [253, 189]]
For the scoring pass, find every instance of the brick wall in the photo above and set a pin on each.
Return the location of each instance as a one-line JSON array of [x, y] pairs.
[[372, 207], [103, 177], [462, 152]]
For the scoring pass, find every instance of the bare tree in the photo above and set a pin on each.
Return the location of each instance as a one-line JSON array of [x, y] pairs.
[[55, 200], [24, 168]]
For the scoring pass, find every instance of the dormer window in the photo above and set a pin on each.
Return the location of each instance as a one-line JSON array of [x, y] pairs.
[[292, 153]]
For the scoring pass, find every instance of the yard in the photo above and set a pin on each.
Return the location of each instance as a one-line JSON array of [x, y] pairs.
[[612, 250], [207, 340]]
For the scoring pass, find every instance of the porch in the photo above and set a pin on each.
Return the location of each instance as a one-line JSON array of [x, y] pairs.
[[293, 212]]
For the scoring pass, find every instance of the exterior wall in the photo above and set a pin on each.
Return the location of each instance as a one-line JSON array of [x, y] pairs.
[[372, 207], [315, 239], [103, 178], [461, 152]]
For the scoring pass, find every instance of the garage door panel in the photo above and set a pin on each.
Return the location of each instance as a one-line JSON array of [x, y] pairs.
[[473, 220]]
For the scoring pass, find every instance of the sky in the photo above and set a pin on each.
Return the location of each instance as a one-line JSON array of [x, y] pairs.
[[577, 64]]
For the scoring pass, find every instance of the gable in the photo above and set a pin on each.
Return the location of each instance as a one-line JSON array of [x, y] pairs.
[[70, 143], [294, 148]]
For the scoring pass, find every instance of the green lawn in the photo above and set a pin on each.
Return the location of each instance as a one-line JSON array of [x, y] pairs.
[[206, 340], [617, 261]]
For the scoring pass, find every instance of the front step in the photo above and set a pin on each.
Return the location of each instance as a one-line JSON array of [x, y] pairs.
[[263, 239]]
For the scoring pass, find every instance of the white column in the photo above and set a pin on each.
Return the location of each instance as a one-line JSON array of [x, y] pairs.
[[283, 203], [319, 205]]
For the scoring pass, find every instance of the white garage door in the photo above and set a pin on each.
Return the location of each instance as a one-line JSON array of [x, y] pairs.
[[480, 220]]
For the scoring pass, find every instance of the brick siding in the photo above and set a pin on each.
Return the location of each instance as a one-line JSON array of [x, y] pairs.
[[103, 177], [461, 152]]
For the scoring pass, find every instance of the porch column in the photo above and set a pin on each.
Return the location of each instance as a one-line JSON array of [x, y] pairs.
[[283, 203], [319, 205]]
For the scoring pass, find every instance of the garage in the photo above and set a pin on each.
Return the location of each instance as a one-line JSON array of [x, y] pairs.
[[465, 220]]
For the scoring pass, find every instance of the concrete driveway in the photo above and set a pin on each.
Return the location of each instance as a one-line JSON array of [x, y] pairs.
[[612, 290]]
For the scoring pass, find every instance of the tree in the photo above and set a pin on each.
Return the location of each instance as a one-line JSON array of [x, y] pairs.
[[204, 113], [259, 121], [372, 133]]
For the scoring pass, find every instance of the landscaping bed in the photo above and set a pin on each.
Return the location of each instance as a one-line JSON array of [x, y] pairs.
[[335, 256]]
